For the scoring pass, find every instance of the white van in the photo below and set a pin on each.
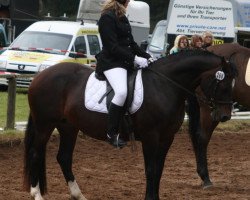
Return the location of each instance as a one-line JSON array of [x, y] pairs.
[[139, 19], [46, 43]]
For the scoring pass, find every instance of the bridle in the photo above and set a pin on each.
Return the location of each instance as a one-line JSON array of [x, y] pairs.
[[212, 102]]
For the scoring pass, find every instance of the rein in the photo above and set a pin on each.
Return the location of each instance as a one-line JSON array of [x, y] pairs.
[[171, 81], [211, 102]]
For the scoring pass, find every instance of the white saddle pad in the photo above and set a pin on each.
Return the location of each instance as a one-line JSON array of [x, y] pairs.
[[95, 89], [247, 75]]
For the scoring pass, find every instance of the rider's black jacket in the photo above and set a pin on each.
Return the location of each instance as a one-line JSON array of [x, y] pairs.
[[119, 47]]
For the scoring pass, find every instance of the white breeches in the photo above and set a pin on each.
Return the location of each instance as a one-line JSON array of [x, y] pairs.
[[117, 78]]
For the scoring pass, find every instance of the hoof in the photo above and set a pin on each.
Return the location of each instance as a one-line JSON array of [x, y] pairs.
[[207, 185], [80, 197]]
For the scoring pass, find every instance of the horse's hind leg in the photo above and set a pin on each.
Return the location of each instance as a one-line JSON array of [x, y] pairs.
[[36, 137], [68, 135]]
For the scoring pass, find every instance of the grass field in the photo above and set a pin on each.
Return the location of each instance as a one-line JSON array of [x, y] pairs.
[[22, 109]]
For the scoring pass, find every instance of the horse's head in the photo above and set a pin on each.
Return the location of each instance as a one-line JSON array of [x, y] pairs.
[[217, 88]]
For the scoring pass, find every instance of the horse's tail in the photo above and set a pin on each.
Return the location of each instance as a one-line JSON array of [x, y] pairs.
[[34, 160]]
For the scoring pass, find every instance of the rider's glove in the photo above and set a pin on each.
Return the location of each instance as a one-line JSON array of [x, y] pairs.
[[151, 60], [141, 62]]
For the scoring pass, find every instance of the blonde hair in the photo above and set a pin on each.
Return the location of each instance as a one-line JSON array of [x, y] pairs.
[[178, 40], [207, 33], [119, 9]]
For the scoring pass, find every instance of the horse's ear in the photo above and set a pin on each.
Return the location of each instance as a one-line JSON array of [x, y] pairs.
[[224, 60], [233, 65], [225, 64], [228, 66], [231, 56]]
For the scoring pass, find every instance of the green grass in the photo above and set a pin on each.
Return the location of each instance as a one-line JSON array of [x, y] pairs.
[[22, 108]]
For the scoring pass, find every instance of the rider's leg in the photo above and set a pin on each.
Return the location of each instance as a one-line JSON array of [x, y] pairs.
[[117, 78]]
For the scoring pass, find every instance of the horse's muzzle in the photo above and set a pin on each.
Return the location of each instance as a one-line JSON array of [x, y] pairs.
[[225, 118], [221, 114]]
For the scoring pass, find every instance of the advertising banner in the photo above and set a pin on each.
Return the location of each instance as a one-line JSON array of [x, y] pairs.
[[191, 17]]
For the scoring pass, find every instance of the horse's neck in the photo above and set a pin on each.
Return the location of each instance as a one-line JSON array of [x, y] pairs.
[[186, 75], [167, 81]]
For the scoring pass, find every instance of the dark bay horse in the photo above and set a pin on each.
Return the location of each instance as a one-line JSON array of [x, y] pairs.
[[201, 123], [56, 100]]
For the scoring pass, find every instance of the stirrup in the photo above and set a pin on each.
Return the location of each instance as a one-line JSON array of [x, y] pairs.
[[116, 141]]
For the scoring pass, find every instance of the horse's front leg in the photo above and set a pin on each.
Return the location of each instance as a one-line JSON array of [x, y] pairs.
[[200, 136], [36, 193], [68, 135], [75, 191], [207, 128], [154, 151]]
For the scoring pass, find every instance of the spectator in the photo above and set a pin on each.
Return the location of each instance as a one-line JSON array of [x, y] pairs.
[[196, 42], [208, 39], [180, 43]]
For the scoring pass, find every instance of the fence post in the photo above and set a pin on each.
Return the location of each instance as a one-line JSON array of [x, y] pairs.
[[10, 123]]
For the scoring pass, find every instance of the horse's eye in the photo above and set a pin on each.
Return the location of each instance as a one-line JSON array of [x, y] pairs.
[[233, 83]]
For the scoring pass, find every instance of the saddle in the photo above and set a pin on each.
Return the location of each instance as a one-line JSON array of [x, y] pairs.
[[109, 94], [126, 122]]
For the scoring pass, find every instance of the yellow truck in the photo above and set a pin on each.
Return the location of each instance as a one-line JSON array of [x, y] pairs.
[[46, 43]]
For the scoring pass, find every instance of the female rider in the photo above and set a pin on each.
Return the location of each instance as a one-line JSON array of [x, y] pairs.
[[119, 54]]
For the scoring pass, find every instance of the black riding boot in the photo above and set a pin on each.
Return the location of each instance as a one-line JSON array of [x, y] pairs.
[[114, 118]]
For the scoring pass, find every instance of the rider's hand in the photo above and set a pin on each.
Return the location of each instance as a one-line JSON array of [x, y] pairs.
[[141, 62], [151, 60]]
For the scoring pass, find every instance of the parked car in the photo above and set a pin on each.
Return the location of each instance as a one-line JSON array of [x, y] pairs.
[[47, 43]]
